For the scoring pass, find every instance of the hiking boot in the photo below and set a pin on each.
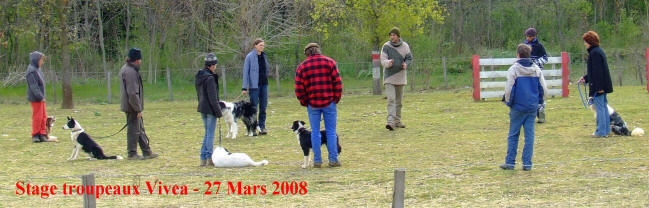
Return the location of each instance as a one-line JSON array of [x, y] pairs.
[[263, 132], [334, 164], [317, 165], [150, 156], [203, 163], [36, 138], [506, 167], [210, 163], [541, 117], [134, 157], [400, 125], [389, 127]]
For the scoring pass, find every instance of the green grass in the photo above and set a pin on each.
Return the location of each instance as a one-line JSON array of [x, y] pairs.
[[450, 150]]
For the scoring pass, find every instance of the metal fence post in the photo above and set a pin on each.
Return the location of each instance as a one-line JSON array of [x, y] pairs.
[[171, 96]]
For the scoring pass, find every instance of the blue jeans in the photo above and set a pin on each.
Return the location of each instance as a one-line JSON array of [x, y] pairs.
[[330, 115], [209, 122], [516, 120], [603, 118], [260, 96]]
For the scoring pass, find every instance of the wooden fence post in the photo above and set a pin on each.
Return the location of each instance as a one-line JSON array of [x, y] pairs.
[[89, 200], [565, 74], [279, 92], [376, 73], [171, 95], [109, 97], [54, 83], [225, 84], [647, 67], [444, 66], [413, 76], [399, 188], [476, 77]]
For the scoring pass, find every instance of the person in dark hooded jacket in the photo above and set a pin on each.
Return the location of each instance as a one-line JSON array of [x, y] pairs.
[[207, 91], [36, 96]]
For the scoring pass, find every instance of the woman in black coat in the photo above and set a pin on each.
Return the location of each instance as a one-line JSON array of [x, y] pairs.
[[207, 90], [599, 82]]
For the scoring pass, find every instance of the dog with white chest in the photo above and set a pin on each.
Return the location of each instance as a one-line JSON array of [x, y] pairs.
[[82, 141], [243, 110], [304, 139]]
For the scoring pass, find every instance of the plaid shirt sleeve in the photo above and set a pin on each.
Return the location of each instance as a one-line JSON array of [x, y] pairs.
[[337, 82], [300, 89]]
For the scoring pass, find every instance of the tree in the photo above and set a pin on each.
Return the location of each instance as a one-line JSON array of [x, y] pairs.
[[62, 12], [372, 19]]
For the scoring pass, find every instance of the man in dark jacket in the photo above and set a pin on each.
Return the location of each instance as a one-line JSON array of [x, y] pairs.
[[599, 82], [132, 104], [207, 91], [539, 57]]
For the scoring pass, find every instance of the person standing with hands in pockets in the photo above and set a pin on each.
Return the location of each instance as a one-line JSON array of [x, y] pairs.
[[318, 87], [395, 58]]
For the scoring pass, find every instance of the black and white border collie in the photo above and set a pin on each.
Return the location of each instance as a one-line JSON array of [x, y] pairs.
[[304, 139], [243, 110], [82, 141], [618, 126]]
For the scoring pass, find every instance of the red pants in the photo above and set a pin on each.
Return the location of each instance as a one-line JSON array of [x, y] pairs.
[[39, 118]]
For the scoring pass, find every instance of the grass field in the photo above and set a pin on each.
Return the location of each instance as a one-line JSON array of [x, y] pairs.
[[450, 151]]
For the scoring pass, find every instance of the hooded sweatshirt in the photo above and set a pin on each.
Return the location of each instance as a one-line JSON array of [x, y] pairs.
[[525, 86], [207, 91], [34, 77]]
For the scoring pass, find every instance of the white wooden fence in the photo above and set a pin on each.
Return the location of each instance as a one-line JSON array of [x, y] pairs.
[[556, 79]]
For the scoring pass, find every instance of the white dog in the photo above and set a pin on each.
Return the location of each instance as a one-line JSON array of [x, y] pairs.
[[224, 159]]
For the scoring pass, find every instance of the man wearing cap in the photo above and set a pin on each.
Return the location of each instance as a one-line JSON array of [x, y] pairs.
[[132, 104], [207, 90], [318, 87], [539, 57], [395, 58]]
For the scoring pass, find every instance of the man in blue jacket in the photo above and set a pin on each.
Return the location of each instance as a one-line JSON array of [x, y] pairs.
[[524, 91]]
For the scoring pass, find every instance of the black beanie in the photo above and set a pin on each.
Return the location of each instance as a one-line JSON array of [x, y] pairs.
[[134, 54], [210, 59]]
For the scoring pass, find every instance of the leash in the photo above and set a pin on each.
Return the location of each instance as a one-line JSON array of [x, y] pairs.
[[218, 121], [114, 133], [581, 95]]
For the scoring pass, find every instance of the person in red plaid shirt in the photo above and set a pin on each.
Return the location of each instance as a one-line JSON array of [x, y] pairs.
[[318, 87]]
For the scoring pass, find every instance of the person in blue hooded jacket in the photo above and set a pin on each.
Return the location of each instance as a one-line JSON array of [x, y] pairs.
[[255, 80], [524, 91]]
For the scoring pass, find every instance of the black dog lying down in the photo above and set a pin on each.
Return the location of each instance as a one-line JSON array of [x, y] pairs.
[[618, 126], [304, 138]]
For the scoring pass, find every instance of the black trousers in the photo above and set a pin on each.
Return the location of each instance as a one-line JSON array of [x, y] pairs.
[[135, 135]]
